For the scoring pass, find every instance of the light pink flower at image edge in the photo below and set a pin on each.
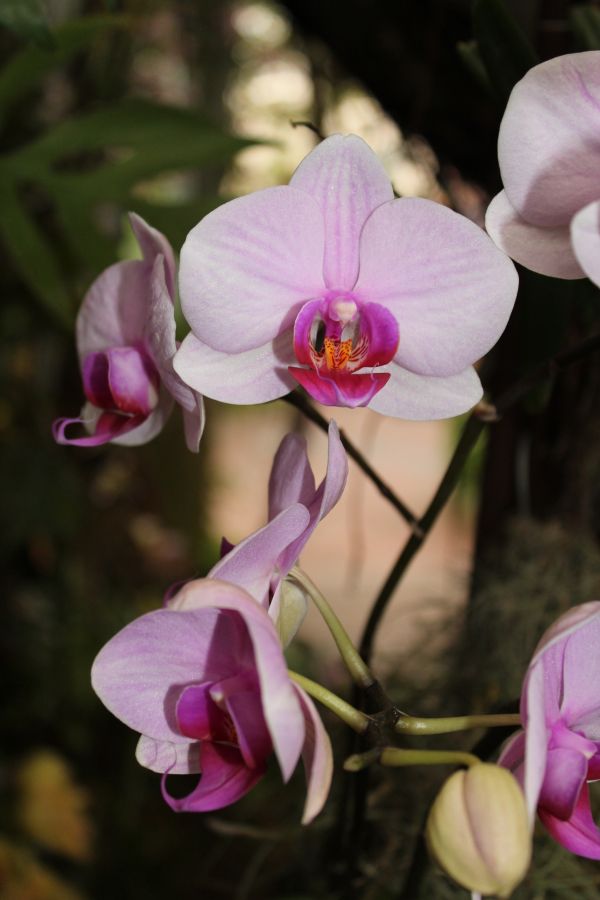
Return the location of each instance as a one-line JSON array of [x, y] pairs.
[[548, 216], [207, 687], [558, 752], [125, 336], [331, 283]]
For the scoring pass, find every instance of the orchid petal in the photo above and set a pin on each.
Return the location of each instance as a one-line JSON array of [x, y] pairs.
[[133, 381], [542, 249], [317, 757], [581, 676], [449, 287], [153, 244], [254, 376], [340, 389], [193, 424], [564, 777], [252, 563], [254, 740], [348, 182], [585, 235], [108, 427], [579, 834], [291, 479], [164, 756], [536, 738], [281, 706], [423, 397], [224, 779], [548, 146], [199, 717], [138, 674], [248, 267], [512, 755]]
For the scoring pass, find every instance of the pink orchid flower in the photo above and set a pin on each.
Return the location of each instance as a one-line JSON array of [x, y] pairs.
[[125, 336], [548, 215], [331, 283], [559, 750], [261, 561], [207, 687]]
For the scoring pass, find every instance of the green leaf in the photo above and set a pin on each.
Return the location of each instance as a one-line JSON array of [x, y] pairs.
[[470, 56], [25, 69], [32, 257], [505, 50], [585, 24], [28, 19]]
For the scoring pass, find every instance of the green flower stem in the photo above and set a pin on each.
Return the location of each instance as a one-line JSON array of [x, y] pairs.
[[412, 725], [360, 672], [353, 717], [394, 756]]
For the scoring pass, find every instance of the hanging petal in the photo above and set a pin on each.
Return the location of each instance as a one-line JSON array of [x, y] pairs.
[[224, 779], [579, 834], [317, 757]]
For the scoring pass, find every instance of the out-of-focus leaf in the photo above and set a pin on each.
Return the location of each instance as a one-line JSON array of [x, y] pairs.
[[468, 52], [150, 136], [585, 24], [26, 68], [176, 221], [505, 50], [28, 19], [32, 255]]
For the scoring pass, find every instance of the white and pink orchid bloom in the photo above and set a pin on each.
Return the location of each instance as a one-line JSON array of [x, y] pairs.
[[331, 283], [261, 561], [207, 687], [125, 337], [558, 753], [548, 215]]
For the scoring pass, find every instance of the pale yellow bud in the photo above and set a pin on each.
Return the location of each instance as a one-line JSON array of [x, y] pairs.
[[478, 830]]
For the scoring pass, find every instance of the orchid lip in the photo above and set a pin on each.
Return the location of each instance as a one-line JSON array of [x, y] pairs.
[[335, 337], [123, 380]]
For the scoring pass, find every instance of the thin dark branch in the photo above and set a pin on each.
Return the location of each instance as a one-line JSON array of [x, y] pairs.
[[475, 424], [310, 125], [306, 408]]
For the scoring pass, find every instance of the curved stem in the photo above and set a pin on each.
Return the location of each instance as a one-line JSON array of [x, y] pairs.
[[395, 756], [359, 671], [302, 404], [445, 725], [356, 719]]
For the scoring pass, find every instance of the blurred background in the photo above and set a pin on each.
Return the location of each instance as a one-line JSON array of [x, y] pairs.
[[170, 107]]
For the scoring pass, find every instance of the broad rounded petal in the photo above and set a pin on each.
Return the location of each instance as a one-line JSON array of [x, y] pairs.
[[548, 146], [542, 249], [255, 376], [255, 561], [281, 706], [585, 235], [140, 672], [536, 738], [317, 757], [348, 182], [165, 756], [579, 834], [580, 705], [224, 779], [152, 244], [449, 287], [575, 618], [249, 265], [423, 397], [564, 777], [291, 479], [114, 310]]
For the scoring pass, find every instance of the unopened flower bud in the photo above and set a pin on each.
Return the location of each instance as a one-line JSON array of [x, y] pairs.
[[478, 830], [293, 606]]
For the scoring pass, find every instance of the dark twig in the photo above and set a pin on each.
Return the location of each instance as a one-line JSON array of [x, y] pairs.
[[309, 125], [306, 408]]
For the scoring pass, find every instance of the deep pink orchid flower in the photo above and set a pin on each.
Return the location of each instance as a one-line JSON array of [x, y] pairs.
[[207, 687], [125, 336], [558, 752], [548, 215], [261, 561], [333, 284]]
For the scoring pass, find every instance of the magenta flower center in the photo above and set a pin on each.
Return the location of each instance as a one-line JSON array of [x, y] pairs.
[[122, 380], [336, 336]]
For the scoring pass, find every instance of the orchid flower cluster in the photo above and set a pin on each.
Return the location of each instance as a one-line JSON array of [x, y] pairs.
[[333, 285]]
